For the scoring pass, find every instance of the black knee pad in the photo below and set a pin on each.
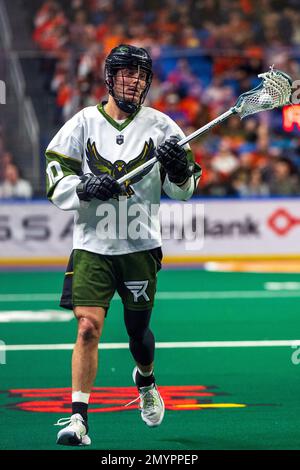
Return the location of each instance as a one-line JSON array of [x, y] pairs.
[[141, 338], [137, 322]]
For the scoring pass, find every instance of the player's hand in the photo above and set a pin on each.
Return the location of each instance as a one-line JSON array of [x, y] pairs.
[[174, 160], [101, 187]]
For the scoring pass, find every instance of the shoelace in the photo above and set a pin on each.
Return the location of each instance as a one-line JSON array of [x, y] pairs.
[[148, 396], [151, 399], [64, 421], [133, 401]]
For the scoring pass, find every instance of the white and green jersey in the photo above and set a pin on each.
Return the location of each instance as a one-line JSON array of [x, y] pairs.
[[92, 142]]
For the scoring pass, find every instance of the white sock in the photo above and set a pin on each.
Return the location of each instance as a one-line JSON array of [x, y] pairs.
[[145, 374], [80, 397]]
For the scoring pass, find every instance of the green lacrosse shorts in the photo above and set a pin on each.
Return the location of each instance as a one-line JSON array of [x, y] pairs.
[[92, 279]]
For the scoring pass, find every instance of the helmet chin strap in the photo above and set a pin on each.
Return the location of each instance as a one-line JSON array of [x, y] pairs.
[[128, 108]]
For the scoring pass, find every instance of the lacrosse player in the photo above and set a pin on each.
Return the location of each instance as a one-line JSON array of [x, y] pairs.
[[84, 161]]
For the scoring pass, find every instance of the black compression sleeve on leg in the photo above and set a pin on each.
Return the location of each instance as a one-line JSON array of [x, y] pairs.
[[141, 338]]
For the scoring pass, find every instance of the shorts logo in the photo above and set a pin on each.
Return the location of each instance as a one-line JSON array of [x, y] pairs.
[[138, 289]]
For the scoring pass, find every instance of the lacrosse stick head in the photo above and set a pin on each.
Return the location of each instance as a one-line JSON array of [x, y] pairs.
[[274, 91]]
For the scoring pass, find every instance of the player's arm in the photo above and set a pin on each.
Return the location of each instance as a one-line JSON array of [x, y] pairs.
[[67, 186], [181, 172], [63, 176]]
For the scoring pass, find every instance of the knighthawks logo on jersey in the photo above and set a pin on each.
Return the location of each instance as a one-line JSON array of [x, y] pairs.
[[138, 289], [99, 165]]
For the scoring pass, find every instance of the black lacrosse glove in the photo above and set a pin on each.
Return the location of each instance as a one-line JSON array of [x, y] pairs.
[[173, 159], [101, 187]]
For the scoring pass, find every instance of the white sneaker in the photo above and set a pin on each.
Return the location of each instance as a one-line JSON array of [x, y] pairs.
[[152, 406], [74, 434]]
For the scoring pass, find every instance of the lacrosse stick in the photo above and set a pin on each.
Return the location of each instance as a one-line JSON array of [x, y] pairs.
[[274, 91]]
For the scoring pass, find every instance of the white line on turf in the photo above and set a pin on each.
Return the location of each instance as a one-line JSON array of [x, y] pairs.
[[159, 345], [277, 286], [24, 316], [220, 295], [29, 297], [169, 295]]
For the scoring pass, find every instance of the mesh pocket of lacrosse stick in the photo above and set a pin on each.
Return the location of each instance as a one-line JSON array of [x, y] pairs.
[[274, 91]]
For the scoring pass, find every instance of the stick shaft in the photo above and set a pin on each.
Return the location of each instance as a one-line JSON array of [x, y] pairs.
[[182, 142], [208, 126]]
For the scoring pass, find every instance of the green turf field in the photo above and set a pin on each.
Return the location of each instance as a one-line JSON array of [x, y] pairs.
[[223, 361]]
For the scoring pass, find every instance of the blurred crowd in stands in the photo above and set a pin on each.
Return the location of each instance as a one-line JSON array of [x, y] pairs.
[[12, 185], [206, 53]]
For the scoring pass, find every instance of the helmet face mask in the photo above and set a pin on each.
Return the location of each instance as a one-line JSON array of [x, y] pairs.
[[128, 76]]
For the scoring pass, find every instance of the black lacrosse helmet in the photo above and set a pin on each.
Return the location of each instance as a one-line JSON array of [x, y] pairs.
[[126, 56]]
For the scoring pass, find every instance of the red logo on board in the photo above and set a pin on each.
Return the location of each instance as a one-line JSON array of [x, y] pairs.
[[281, 222]]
